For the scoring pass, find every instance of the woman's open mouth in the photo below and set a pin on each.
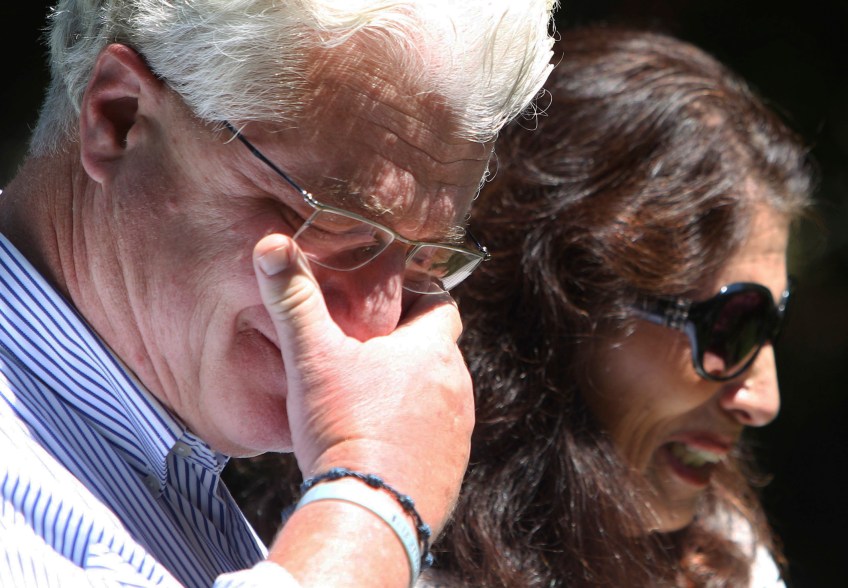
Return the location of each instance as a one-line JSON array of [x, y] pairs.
[[693, 464]]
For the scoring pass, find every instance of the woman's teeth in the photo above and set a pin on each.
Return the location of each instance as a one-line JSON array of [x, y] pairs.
[[693, 457]]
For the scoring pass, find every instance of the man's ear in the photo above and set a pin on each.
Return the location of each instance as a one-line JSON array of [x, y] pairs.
[[121, 87]]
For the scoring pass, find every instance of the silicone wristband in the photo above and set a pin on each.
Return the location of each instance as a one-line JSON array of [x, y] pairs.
[[379, 504]]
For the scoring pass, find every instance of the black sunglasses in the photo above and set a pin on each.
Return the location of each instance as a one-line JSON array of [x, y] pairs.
[[725, 332]]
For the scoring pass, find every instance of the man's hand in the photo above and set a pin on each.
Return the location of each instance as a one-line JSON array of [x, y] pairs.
[[399, 406]]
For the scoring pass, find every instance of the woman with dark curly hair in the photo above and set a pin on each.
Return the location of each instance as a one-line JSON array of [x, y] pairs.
[[621, 337]]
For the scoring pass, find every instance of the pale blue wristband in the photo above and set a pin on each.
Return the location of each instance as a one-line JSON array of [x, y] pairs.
[[378, 503]]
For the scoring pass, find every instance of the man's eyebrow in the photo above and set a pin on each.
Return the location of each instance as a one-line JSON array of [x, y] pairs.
[[338, 192]]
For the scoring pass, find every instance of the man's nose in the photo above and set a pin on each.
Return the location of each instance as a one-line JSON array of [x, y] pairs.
[[366, 302], [754, 398]]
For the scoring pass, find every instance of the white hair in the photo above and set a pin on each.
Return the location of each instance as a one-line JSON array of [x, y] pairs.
[[246, 59]]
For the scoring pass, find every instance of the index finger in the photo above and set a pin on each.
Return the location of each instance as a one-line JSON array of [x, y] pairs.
[[433, 311]]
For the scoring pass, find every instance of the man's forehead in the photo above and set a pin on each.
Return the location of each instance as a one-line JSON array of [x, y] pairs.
[[357, 87], [389, 147]]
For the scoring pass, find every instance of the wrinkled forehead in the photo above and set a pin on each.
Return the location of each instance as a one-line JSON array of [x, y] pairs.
[[393, 70], [389, 142]]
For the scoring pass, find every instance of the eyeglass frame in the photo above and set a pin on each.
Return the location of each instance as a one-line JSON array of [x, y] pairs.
[[482, 252], [675, 313]]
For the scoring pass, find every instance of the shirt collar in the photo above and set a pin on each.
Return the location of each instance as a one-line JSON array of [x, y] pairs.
[[47, 336]]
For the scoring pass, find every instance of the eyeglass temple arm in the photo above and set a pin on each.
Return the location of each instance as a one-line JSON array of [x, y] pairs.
[[265, 160], [482, 248], [667, 313]]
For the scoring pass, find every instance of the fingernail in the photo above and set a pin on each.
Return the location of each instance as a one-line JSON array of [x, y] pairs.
[[274, 261]]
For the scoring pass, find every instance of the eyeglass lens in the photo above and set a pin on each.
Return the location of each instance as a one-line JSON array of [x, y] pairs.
[[340, 242], [732, 333], [440, 266]]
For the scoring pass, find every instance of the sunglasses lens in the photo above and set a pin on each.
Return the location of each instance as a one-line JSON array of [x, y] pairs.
[[737, 328]]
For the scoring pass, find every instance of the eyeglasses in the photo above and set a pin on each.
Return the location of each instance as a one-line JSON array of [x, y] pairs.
[[725, 332], [340, 240]]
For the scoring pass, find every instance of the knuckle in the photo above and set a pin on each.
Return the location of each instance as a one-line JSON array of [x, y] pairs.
[[287, 302]]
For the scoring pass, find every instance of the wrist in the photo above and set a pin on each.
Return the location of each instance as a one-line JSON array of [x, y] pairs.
[[433, 484], [339, 544], [395, 510]]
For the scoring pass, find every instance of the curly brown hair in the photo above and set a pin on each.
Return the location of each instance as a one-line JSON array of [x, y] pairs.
[[630, 185]]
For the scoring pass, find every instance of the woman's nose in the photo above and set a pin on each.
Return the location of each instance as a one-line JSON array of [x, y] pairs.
[[754, 398]]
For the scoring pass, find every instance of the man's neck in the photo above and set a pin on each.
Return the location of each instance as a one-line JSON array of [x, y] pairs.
[[36, 215]]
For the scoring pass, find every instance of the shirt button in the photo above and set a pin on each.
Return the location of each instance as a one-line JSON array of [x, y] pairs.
[[182, 449], [152, 483]]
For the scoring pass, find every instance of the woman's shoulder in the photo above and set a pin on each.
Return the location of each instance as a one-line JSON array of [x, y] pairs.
[[764, 570]]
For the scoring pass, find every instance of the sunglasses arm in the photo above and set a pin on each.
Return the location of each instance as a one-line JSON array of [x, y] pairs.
[[666, 313]]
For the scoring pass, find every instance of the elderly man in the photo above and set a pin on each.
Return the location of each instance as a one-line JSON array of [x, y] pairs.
[[233, 234]]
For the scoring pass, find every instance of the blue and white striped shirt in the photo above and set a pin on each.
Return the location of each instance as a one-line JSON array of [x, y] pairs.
[[100, 485]]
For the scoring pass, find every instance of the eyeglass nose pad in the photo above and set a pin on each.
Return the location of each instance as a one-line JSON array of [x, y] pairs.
[[306, 224]]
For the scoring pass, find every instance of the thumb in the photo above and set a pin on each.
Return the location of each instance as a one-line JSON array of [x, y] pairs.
[[291, 295]]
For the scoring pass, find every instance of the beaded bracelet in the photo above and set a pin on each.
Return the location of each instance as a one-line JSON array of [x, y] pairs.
[[376, 482]]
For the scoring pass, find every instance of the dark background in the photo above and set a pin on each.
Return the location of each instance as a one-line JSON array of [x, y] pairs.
[[795, 55]]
